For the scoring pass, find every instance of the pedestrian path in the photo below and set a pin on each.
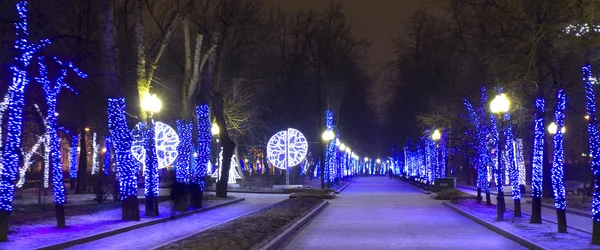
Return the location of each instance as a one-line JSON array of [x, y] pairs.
[[380, 213], [159, 234], [583, 223]]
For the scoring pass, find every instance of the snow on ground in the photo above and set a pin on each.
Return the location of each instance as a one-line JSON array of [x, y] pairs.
[[544, 234], [41, 233]]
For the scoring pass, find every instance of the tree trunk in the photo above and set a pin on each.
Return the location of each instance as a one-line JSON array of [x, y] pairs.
[[227, 143], [82, 170]]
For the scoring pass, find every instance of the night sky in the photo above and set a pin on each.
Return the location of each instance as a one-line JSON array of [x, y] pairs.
[[378, 21]]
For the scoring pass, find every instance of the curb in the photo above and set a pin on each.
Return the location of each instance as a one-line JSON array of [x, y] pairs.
[[284, 237], [93, 237], [518, 239], [247, 192], [506, 194], [410, 185], [206, 229], [337, 191]]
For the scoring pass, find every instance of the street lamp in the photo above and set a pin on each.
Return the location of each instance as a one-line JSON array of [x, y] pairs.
[[328, 135], [215, 129], [499, 106], [342, 147], [552, 128], [436, 135], [378, 161], [151, 104]]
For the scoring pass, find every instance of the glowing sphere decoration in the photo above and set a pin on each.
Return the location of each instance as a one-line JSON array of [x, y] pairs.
[[166, 139], [291, 141]]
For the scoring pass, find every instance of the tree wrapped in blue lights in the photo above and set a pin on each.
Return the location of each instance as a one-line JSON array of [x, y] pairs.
[[127, 166], [537, 162], [107, 154], [182, 166], [73, 158], [202, 156], [330, 151], [52, 89], [594, 150], [16, 100], [560, 199], [151, 173], [512, 167]]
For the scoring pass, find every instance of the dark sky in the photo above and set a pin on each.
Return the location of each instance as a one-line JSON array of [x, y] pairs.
[[376, 21]]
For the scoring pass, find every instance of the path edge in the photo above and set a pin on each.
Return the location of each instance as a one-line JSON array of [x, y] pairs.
[[337, 191], [93, 237], [279, 241], [410, 185], [518, 239]]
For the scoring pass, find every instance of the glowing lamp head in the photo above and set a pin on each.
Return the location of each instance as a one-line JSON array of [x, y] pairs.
[[500, 104], [552, 128], [378, 160], [87, 129], [587, 117], [366, 158], [103, 150], [215, 129], [342, 147], [436, 135], [151, 103], [328, 135]]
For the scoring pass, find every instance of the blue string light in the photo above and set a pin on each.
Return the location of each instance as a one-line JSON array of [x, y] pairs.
[[512, 165], [560, 200], [330, 151], [151, 164], [497, 165], [16, 90], [538, 150], [182, 169], [107, 154], [52, 89], [73, 158], [204, 139], [127, 167], [593, 137]]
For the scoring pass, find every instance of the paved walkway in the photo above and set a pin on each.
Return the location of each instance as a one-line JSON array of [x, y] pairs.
[[380, 213], [159, 234], [583, 223]]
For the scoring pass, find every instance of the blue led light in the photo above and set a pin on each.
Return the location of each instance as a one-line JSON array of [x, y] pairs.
[[182, 168], [560, 200], [107, 154], [330, 168], [512, 165], [151, 164], [538, 150], [73, 159], [204, 139], [127, 167], [593, 137]]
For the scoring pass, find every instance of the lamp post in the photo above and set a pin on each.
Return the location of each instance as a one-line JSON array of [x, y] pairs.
[[151, 104], [327, 136], [214, 130], [500, 105], [436, 136]]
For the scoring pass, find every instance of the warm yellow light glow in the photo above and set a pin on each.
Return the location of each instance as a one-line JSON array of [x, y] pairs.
[[342, 147], [500, 104], [366, 158], [552, 128], [378, 160], [328, 135], [587, 117], [151, 103], [87, 129], [103, 150], [436, 135], [215, 129]]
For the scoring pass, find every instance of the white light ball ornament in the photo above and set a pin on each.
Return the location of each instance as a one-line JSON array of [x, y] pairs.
[[166, 140], [291, 141]]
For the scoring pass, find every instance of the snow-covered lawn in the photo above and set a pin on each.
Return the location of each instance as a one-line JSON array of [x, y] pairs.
[[41, 232], [544, 234]]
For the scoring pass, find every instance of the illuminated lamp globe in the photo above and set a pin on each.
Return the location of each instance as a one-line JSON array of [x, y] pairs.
[[552, 128], [328, 135], [436, 135], [378, 160], [151, 103], [500, 104], [342, 147], [215, 129], [366, 158]]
